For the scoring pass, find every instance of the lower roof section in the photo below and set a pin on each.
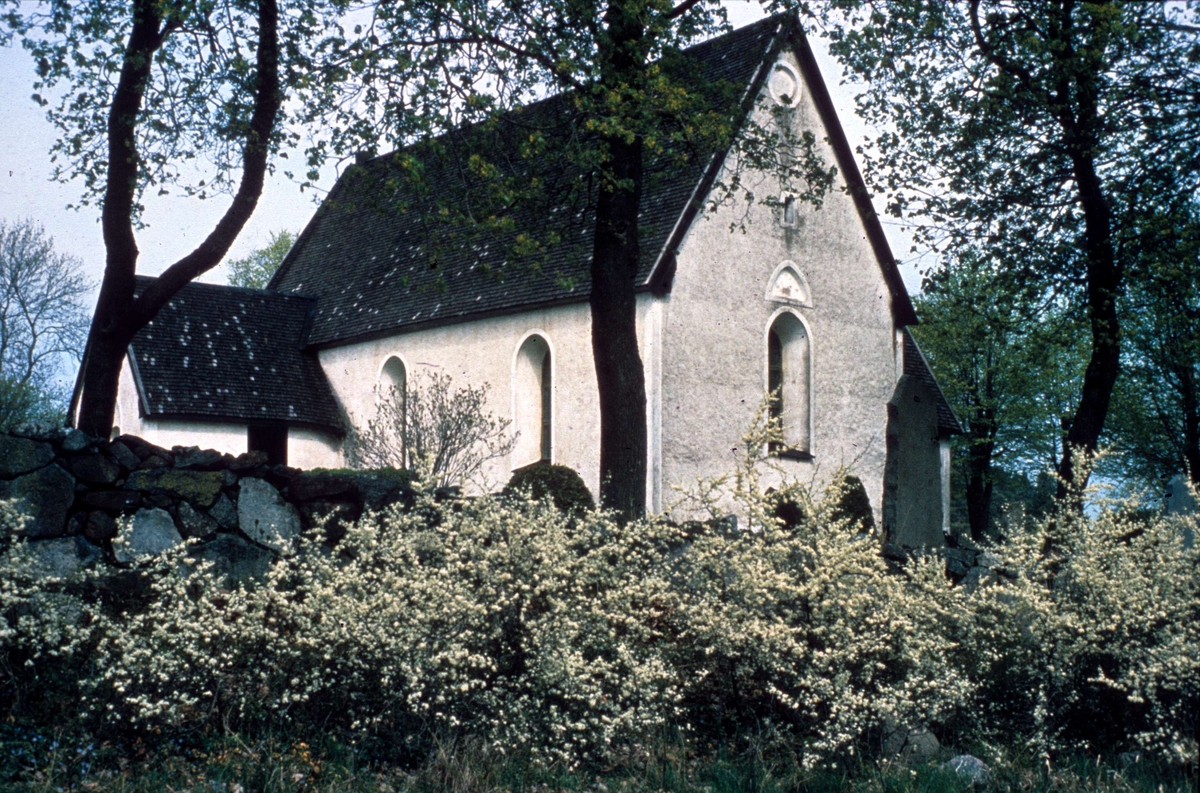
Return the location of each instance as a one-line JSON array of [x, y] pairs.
[[231, 354]]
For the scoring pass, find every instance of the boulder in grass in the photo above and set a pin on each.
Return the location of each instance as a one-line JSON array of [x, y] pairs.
[[969, 769], [911, 744]]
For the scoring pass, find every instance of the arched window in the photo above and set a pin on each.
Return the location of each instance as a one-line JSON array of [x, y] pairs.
[[789, 382], [393, 387], [533, 415]]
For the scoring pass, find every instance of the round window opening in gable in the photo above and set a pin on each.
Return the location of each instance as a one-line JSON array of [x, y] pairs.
[[784, 85]]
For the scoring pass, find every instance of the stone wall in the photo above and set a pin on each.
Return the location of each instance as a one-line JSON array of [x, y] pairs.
[[242, 511]]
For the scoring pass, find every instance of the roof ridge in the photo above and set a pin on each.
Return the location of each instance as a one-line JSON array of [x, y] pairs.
[[765, 22]]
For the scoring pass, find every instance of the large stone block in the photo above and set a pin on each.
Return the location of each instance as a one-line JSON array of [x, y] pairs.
[[265, 517], [62, 557], [45, 495], [75, 441], [153, 532], [224, 512], [112, 500], [196, 524], [123, 455], [195, 457], [95, 468], [234, 559], [323, 486], [20, 456], [199, 487]]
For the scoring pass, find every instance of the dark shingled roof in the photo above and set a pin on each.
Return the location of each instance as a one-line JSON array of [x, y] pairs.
[[369, 264], [223, 352], [916, 366]]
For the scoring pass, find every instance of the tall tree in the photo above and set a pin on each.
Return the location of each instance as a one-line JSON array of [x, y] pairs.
[[1018, 124], [433, 66], [43, 322], [1009, 359], [152, 87]]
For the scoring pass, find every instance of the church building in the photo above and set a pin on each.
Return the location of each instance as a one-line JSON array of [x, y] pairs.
[[732, 302]]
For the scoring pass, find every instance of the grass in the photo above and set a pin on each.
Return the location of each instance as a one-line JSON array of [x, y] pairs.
[[230, 764]]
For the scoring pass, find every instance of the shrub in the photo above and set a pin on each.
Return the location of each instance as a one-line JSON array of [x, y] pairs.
[[562, 484], [445, 433], [850, 502], [1091, 640], [566, 637]]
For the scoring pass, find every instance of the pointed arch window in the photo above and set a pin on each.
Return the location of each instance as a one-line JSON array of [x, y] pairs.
[[533, 403], [789, 385]]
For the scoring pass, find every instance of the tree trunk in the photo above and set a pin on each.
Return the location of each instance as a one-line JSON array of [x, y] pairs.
[[118, 314], [1103, 285], [620, 377], [979, 473], [1081, 125]]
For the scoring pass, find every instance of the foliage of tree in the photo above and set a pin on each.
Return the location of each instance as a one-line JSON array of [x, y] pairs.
[[635, 108], [1017, 126], [444, 433], [1156, 421], [1009, 359], [255, 270], [43, 323], [146, 90]]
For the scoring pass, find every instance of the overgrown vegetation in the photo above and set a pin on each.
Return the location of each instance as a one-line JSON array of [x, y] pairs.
[[504, 634]]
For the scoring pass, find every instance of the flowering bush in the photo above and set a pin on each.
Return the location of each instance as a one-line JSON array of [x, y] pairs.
[[1091, 639], [567, 637]]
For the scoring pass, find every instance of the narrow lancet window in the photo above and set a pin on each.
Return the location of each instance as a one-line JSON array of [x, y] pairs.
[[393, 388], [533, 403], [789, 381]]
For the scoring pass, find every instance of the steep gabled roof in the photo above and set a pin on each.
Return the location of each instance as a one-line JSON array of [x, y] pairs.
[[376, 267], [227, 353], [916, 366]]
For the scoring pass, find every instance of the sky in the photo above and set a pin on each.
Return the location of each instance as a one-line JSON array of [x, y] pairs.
[[175, 225]]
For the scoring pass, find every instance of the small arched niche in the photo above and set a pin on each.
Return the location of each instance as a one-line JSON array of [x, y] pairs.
[[789, 384], [788, 285], [533, 402]]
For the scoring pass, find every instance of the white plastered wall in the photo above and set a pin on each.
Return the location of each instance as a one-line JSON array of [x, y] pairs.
[[715, 319], [310, 448], [485, 351]]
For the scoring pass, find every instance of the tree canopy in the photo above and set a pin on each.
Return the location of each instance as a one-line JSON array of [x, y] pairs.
[[186, 95], [43, 323], [255, 269], [1021, 129]]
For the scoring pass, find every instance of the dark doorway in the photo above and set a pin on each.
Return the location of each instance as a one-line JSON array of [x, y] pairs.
[[269, 438]]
